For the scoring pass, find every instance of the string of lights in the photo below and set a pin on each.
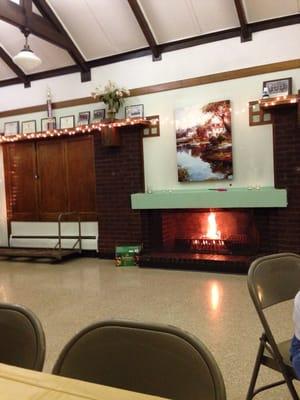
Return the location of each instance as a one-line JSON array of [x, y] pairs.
[[280, 100], [79, 130]]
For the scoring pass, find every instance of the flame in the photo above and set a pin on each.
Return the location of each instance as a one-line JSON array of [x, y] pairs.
[[212, 232]]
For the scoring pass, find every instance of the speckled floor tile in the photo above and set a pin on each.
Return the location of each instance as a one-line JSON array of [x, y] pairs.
[[215, 307]]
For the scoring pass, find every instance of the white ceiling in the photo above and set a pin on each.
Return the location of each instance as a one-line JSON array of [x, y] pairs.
[[257, 10], [101, 28], [188, 18]]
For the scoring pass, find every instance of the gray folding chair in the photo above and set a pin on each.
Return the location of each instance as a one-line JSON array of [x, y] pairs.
[[153, 359], [272, 280], [22, 339]]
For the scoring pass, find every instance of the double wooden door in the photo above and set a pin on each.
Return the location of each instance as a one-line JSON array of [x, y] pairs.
[[44, 178]]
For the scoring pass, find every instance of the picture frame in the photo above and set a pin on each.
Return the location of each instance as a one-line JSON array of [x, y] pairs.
[[84, 118], [134, 111], [98, 115], [48, 124], [279, 87], [258, 115], [11, 128], [28, 126], [67, 122], [153, 129]]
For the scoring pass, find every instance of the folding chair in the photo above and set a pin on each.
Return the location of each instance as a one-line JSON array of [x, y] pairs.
[[22, 339], [161, 360], [273, 279]]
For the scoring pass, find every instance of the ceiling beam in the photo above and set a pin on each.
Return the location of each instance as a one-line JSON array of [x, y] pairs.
[[17, 70], [27, 6], [15, 15], [275, 23], [246, 34], [139, 15], [49, 14], [167, 47]]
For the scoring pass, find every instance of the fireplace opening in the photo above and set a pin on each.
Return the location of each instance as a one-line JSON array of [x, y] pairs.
[[224, 240], [210, 232]]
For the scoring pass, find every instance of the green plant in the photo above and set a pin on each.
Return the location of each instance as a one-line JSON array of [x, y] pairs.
[[111, 95]]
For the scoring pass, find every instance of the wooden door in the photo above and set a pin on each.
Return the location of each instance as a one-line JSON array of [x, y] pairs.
[[80, 176], [52, 190], [21, 181]]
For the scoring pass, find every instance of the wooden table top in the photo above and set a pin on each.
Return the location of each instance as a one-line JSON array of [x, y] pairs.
[[23, 384]]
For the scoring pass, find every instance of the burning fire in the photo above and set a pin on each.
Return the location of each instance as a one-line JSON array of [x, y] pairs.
[[211, 241], [212, 232]]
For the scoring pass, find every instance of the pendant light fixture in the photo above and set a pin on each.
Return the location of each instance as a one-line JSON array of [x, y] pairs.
[[26, 58]]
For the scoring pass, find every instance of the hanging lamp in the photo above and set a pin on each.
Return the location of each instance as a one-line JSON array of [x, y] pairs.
[[26, 59]]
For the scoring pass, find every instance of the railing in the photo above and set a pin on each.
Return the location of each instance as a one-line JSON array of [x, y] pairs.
[[60, 236]]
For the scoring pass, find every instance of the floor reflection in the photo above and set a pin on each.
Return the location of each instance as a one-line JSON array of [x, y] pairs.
[[215, 296]]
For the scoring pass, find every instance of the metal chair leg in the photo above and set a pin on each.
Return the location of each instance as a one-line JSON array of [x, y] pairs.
[[287, 380], [257, 365], [290, 384]]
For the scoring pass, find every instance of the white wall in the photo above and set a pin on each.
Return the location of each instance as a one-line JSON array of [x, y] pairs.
[[252, 146]]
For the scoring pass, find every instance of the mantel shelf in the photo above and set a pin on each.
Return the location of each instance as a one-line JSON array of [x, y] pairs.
[[210, 198], [273, 102], [79, 130]]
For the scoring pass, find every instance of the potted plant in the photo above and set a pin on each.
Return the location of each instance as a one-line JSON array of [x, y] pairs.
[[113, 96]]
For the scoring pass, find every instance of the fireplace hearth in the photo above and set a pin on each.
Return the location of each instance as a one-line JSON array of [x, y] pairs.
[[201, 238]]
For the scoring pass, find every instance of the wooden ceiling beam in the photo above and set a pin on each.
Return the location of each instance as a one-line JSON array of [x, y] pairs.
[[275, 23], [17, 70], [167, 47], [27, 6], [49, 14], [246, 34], [139, 15], [15, 15]]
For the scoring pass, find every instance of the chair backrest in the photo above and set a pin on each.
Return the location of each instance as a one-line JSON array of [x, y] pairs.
[[153, 359], [22, 339], [273, 279]]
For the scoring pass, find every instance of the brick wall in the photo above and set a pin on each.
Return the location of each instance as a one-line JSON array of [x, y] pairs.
[[119, 173], [278, 228], [283, 228]]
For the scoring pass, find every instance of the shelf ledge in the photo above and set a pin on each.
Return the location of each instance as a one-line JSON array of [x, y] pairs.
[[210, 198], [78, 130]]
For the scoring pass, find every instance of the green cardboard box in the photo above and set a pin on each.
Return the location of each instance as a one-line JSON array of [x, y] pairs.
[[127, 256]]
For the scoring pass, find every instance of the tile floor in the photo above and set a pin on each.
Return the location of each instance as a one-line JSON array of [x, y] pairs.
[[215, 307]]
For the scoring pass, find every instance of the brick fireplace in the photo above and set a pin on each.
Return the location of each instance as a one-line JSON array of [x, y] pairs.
[[169, 236], [256, 231], [206, 231]]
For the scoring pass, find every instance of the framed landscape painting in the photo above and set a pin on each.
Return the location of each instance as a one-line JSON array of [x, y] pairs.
[[204, 142]]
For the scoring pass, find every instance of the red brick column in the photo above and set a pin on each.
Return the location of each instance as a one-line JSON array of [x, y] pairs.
[[280, 228], [119, 173]]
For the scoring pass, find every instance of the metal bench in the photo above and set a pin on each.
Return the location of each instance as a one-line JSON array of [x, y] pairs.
[[58, 252]]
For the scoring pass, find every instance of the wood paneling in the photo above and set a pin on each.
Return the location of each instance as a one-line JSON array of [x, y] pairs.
[[20, 180], [80, 173], [52, 179], [47, 177]]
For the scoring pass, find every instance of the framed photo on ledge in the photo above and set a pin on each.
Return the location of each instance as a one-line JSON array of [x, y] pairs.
[[67, 122], [11, 128], [28, 126], [83, 118], [48, 124], [279, 87], [98, 115], [136, 111]]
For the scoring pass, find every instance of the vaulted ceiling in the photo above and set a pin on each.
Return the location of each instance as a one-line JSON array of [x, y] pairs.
[[77, 35]]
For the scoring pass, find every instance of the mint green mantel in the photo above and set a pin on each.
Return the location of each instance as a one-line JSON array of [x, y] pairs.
[[210, 198]]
